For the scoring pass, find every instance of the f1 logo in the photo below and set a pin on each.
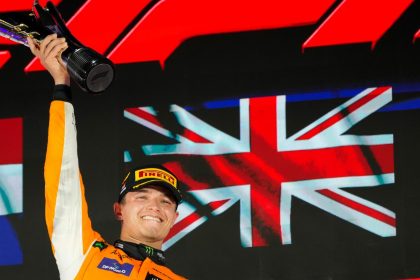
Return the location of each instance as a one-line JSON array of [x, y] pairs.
[[165, 24]]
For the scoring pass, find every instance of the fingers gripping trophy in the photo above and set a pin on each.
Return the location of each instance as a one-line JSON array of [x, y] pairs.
[[93, 72]]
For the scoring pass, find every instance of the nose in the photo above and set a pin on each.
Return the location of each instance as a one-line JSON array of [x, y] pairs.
[[154, 204]]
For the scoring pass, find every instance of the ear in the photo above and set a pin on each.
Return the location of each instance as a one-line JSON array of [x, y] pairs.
[[117, 211]]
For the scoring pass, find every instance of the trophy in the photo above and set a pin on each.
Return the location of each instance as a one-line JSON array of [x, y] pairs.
[[90, 70]]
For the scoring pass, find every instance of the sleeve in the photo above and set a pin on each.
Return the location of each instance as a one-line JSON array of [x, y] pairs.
[[69, 226]]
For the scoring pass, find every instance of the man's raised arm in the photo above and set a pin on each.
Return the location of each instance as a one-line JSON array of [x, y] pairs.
[[68, 224]]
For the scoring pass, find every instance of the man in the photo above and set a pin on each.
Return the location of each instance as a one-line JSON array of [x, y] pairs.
[[146, 206]]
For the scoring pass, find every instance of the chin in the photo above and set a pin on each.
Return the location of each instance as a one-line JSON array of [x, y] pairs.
[[151, 233]]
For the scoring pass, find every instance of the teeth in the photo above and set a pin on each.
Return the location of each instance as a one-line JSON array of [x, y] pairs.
[[151, 218]]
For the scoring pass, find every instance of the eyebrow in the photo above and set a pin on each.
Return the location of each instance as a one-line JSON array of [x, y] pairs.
[[164, 193], [142, 191]]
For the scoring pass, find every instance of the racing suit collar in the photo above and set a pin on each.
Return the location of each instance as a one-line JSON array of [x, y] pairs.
[[141, 251]]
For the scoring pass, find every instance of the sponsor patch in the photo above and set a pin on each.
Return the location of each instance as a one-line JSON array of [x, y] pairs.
[[115, 266], [100, 245], [154, 173]]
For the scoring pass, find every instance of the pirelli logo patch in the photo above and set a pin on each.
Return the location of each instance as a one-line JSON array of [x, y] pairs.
[[154, 173]]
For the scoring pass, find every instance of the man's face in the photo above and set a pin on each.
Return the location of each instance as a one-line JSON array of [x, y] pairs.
[[147, 215]]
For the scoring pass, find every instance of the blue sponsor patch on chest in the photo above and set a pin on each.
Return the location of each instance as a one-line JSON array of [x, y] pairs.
[[115, 266]]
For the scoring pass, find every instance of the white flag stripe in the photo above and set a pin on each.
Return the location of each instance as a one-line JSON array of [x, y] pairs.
[[357, 115], [11, 189], [365, 202], [220, 142], [241, 193], [171, 241], [147, 124], [332, 113], [307, 191], [332, 136]]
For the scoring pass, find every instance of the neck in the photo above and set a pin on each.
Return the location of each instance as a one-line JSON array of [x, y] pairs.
[[157, 244], [141, 251]]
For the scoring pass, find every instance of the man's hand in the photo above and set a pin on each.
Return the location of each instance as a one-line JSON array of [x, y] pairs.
[[49, 52]]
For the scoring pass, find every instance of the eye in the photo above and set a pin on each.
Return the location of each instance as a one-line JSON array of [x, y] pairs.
[[166, 201]]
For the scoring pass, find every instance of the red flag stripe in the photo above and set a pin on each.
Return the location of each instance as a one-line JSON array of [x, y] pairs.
[[181, 225], [189, 134], [342, 114], [185, 178], [11, 141], [217, 204], [144, 115], [359, 207], [194, 137]]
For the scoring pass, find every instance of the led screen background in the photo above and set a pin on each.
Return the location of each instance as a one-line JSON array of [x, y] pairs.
[[210, 70]]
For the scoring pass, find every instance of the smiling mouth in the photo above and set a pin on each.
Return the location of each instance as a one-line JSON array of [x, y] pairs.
[[152, 218]]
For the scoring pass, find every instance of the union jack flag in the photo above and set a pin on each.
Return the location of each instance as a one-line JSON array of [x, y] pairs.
[[11, 188], [263, 169]]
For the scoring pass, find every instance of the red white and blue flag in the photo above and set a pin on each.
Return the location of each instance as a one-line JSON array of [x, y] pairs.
[[264, 169], [11, 173]]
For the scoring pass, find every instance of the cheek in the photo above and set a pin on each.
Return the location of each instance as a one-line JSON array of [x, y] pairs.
[[130, 212], [172, 217]]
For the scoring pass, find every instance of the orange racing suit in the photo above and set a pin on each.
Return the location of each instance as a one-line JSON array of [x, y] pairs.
[[80, 252]]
